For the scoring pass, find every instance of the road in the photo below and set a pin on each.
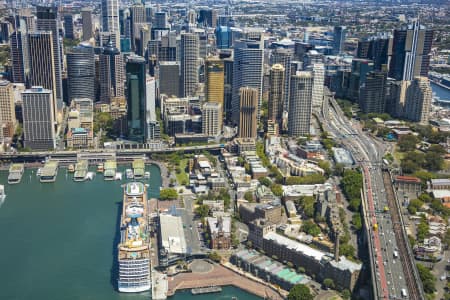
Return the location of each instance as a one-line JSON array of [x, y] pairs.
[[389, 270]]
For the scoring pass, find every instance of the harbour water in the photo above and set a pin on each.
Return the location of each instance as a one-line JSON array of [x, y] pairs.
[[58, 240], [440, 92]]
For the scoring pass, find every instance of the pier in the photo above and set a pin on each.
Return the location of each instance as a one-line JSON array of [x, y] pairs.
[[206, 290]]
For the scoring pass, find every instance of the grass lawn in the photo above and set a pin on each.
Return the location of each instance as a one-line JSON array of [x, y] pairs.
[[398, 155], [182, 176]]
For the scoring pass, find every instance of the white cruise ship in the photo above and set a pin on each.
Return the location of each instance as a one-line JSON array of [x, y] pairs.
[[134, 248]]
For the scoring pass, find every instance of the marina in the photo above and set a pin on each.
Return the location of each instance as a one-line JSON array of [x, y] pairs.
[[49, 172], [15, 173]]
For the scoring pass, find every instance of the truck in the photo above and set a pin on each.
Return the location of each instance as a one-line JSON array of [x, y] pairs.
[[395, 254], [404, 294]]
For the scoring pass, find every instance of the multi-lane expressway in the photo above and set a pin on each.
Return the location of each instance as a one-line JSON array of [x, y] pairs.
[[392, 270]]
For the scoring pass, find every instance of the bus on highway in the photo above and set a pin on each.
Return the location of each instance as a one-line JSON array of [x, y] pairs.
[[404, 294], [395, 254]]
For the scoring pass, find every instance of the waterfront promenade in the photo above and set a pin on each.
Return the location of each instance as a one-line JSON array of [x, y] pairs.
[[220, 276]]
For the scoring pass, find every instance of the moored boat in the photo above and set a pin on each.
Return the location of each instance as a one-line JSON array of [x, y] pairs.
[[15, 173], [100, 168], [2, 193], [71, 168]]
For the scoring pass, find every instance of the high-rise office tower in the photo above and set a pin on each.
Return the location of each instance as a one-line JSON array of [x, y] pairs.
[[300, 105], [360, 69], [81, 72], [136, 98], [148, 14], [378, 49], [42, 63], [137, 18], [284, 56], [153, 130], [339, 39], [141, 42], [111, 74], [317, 91], [110, 19], [223, 37], [68, 27], [228, 90], [189, 63], [247, 72], [19, 56], [47, 20], [86, 19], [372, 95], [276, 94], [7, 111], [418, 100], [248, 122], [160, 20], [169, 78], [411, 52], [214, 70], [38, 119], [207, 17], [212, 117]]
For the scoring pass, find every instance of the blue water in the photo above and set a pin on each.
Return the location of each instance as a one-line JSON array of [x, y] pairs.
[[442, 93], [58, 240]]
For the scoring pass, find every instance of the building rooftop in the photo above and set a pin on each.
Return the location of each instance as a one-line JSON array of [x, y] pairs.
[[440, 181], [215, 226], [172, 235], [408, 179], [345, 264]]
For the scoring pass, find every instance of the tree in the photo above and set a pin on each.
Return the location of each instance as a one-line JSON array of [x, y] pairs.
[[300, 292], [202, 210], [265, 181], [428, 280], [103, 120], [309, 179], [346, 294], [311, 228], [277, 189], [356, 221], [306, 203], [325, 166], [214, 256], [422, 229], [248, 196], [328, 283], [433, 161], [168, 194], [347, 250], [414, 205], [408, 143]]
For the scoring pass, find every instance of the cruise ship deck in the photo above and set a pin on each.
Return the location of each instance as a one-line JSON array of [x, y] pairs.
[[134, 248]]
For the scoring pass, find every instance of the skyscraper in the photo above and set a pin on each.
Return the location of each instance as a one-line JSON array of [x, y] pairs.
[[378, 49], [19, 56], [212, 116], [411, 52], [7, 111], [169, 78], [418, 100], [47, 20], [38, 119], [276, 94], [207, 17], [81, 72], [136, 98], [317, 91], [111, 74], [372, 95], [189, 63], [110, 19], [299, 117], [284, 56], [339, 39], [42, 64], [153, 130], [247, 72], [86, 19], [68, 27], [160, 20], [137, 17], [223, 37], [248, 123], [214, 70]]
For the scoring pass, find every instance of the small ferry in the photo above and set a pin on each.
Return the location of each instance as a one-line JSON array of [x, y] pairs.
[[147, 175], [110, 170], [129, 174], [81, 169], [100, 168], [206, 290], [138, 168], [15, 173], [71, 168], [39, 172], [89, 176]]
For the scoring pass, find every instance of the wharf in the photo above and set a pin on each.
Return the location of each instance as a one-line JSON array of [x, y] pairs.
[[15, 173], [159, 286], [110, 170], [49, 171], [81, 169], [206, 290], [138, 168]]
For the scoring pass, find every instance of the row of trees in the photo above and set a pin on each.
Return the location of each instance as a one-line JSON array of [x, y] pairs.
[[351, 185]]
